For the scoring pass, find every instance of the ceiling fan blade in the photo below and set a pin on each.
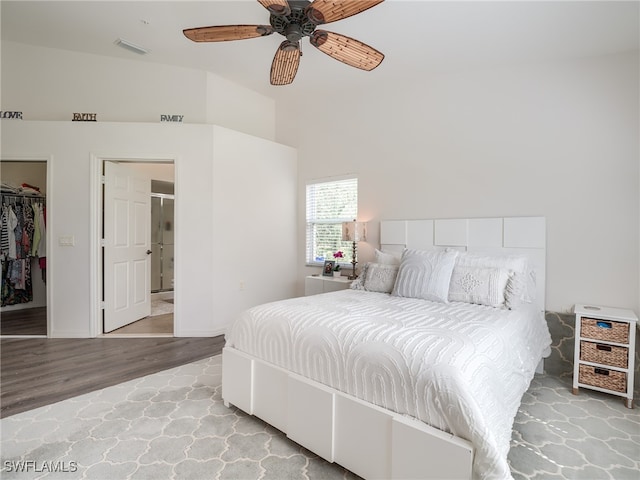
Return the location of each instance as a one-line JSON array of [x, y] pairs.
[[347, 50], [224, 33], [285, 63], [276, 7], [326, 11]]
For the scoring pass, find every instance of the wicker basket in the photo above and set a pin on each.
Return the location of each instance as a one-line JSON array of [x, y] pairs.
[[604, 354], [603, 378], [607, 330]]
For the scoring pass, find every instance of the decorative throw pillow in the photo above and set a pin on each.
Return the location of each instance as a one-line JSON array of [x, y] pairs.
[[388, 258], [521, 286], [484, 286], [358, 283], [521, 289], [425, 274], [380, 277]]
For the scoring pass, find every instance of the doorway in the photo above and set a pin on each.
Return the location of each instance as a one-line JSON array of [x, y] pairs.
[[23, 306], [156, 224]]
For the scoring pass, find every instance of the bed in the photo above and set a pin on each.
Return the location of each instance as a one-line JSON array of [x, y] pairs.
[[394, 381]]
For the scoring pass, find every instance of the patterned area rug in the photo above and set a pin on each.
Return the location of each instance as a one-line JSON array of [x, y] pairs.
[[173, 425]]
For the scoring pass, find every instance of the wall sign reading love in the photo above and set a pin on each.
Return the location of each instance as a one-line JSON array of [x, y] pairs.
[[16, 115]]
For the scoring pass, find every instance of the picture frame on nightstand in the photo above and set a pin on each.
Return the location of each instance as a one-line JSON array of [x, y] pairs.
[[327, 269]]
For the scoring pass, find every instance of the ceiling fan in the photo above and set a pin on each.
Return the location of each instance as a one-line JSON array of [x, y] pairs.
[[295, 19]]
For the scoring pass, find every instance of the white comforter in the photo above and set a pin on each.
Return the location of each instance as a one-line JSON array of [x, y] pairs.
[[459, 367]]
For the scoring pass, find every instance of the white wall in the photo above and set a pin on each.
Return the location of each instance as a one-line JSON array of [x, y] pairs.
[[204, 155], [239, 108], [52, 84], [558, 140], [255, 181]]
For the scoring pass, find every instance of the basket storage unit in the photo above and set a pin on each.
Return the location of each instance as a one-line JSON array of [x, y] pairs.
[[604, 350]]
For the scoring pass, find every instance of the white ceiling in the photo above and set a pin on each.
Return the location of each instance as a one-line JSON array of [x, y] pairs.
[[417, 37]]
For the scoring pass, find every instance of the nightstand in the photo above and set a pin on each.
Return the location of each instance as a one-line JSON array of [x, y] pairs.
[[605, 350], [315, 284]]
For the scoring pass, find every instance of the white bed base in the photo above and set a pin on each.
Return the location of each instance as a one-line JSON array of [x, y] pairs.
[[368, 440]]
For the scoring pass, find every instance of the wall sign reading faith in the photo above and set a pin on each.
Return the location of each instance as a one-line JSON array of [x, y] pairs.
[[85, 117], [17, 115], [171, 118]]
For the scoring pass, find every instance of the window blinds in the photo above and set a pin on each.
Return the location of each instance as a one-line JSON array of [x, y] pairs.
[[328, 205]]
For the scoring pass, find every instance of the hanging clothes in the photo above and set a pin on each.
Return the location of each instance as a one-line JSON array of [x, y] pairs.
[[42, 246], [35, 242], [4, 232], [22, 239], [9, 224]]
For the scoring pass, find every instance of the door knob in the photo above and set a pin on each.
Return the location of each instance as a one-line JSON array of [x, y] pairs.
[[149, 252]]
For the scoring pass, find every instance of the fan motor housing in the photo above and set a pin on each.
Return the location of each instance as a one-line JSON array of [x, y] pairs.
[[295, 25]]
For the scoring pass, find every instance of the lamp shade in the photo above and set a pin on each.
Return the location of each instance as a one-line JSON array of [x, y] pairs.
[[354, 231]]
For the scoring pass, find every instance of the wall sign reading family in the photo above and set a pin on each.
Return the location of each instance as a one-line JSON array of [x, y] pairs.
[[16, 115], [85, 117], [171, 118]]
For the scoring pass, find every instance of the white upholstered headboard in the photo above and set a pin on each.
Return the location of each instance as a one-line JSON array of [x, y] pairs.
[[499, 236]]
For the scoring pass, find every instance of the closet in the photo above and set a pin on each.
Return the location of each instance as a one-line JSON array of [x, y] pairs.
[[23, 256]]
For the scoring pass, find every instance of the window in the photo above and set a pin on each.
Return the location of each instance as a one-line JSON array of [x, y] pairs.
[[328, 205]]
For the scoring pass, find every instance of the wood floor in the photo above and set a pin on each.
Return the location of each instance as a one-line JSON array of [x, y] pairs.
[[33, 321], [158, 324], [30, 321], [39, 371]]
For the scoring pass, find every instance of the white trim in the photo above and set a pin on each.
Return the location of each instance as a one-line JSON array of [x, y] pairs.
[[336, 178], [95, 232]]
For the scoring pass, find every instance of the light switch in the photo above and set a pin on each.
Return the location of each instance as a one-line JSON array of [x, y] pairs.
[[66, 241]]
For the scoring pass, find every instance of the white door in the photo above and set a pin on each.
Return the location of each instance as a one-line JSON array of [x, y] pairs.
[[127, 241]]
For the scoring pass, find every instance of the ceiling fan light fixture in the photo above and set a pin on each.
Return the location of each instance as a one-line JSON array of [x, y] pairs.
[[294, 20], [132, 47]]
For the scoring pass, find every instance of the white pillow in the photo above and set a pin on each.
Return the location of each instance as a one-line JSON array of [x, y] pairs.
[[380, 277], [425, 274], [358, 283], [388, 258], [521, 286], [484, 286]]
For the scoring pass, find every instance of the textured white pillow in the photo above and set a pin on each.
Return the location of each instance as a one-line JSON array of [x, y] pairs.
[[484, 286], [521, 286], [425, 274], [380, 277], [388, 258], [358, 283]]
